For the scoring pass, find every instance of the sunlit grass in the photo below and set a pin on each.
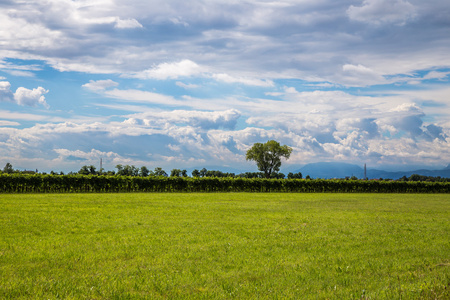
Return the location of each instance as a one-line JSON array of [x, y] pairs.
[[264, 246]]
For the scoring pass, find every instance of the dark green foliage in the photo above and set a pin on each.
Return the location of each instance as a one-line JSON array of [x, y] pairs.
[[159, 172], [210, 173], [277, 175], [39, 183], [86, 170], [295, 175], [417, 177], [268, 156], [178, 173], [252, 175], [127, 170], [8, 168], [220, 174], [196, 173], [144, 172]]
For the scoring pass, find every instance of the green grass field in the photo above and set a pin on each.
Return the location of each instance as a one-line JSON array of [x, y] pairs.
[[225, 246]]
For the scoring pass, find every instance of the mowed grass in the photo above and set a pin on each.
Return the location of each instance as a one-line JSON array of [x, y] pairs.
[[224, 246]]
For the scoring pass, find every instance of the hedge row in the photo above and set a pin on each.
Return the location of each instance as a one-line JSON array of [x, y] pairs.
[[38, 183]]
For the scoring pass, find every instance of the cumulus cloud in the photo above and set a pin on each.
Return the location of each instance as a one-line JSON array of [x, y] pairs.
[[364, 126], [320, 123], [23, 96], [382, 11], [93, 155], [203, 119], [434, 132], [408, 118], [5, 91], [192, 137]]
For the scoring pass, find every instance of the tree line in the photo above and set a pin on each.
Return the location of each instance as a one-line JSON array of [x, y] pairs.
[[133, 171]]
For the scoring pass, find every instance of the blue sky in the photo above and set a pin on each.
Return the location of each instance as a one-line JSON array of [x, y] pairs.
[[185, 84]]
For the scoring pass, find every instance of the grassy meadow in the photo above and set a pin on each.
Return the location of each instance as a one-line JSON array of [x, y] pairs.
[[224, 246]]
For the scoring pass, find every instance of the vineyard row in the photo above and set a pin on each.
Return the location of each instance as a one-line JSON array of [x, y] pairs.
[[38, 183]]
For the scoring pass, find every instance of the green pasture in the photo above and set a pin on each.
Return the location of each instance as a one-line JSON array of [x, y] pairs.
[[224, 246]]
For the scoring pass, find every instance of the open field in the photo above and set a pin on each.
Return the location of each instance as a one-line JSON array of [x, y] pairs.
[[224, 246]]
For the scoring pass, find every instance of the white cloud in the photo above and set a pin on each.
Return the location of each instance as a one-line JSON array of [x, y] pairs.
[[100, 85], [93, 155], [8, 123], [183, 68], [177, 21], [127, 24], [188, 68], [187, 86], [247, 81], [382, 11], [202, 119], [408, 108], [20, 73], [142, 96], [21, 32], [5, 91], [21, 116], [436, 75], [359, 75], [24, 96]]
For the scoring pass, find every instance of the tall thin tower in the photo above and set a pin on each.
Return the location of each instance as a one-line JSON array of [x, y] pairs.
[[365, 172], [101, 164]]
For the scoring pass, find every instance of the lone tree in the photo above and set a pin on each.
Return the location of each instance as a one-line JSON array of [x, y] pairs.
[[268, 156]]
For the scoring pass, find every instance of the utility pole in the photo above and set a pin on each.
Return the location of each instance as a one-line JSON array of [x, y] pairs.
[[365, 172], [101, 165]]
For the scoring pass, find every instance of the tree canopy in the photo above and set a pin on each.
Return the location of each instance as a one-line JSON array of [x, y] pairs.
[[8, 168], [268, 156]]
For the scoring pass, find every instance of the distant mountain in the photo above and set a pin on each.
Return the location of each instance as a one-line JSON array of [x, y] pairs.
[[372, 173], [342, 170], [331, 170]]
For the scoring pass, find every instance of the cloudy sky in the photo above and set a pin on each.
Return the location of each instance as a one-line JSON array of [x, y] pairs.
[[183, 84]]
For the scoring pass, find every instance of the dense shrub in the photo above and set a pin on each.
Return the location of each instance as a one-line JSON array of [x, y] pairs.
[[38, 183]]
